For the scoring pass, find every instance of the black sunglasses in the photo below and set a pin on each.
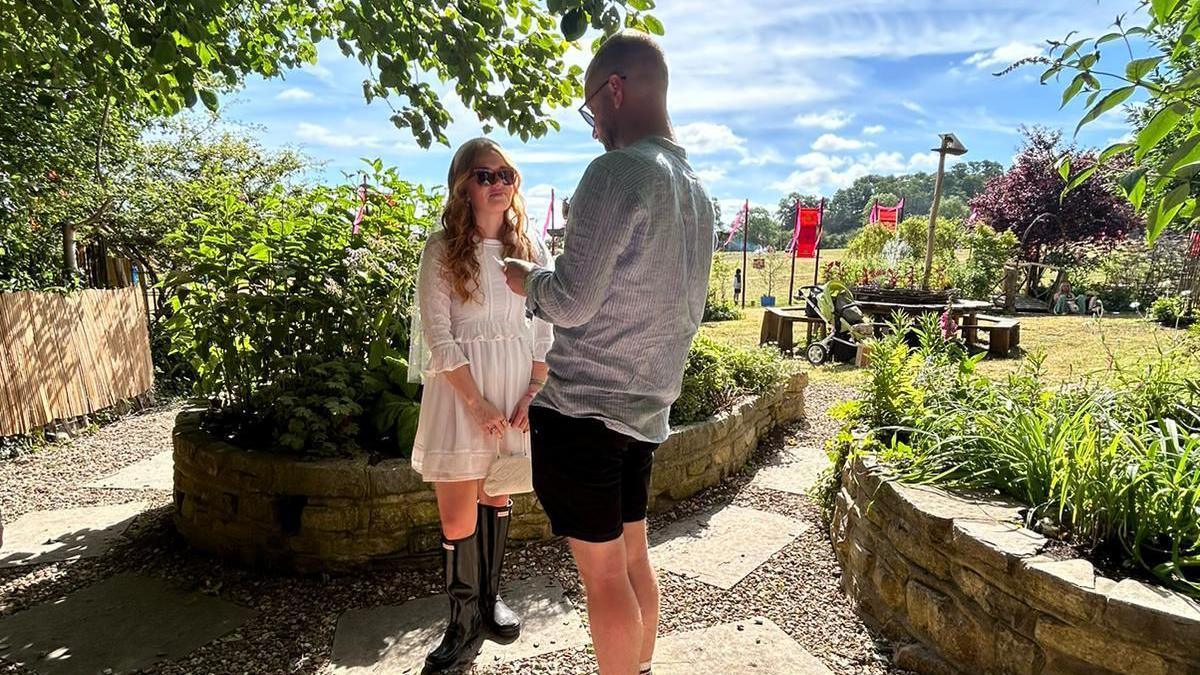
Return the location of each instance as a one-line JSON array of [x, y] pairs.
[[488, 177], [587, 114]]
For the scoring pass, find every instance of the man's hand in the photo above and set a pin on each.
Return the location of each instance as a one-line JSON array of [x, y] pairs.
[[516, 271]]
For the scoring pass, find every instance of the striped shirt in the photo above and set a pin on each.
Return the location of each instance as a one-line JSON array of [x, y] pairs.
[[626, 296]]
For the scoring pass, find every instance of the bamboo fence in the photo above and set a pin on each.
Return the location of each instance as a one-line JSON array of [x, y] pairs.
[[62, 356]]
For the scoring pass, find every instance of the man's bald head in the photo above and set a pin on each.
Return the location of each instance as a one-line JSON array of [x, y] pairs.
[[635, 55]]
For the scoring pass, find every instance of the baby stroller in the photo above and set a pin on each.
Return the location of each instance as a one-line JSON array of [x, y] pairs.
[[845, 325]]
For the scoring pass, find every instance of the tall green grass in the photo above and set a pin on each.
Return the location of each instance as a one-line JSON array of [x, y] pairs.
[[1111, 464]]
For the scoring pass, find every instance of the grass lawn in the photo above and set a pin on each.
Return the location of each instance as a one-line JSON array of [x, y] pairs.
[[758, 277], [1073, 346]]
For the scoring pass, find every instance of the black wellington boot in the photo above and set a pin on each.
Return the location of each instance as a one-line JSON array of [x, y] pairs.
[[462, 585], [498, 617]]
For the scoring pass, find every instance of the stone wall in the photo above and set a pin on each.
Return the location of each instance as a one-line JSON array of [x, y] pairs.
[[960, 587], [273, 511]]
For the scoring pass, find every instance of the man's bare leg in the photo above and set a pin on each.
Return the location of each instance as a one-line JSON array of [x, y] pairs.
[[645, 584], [612, 606]]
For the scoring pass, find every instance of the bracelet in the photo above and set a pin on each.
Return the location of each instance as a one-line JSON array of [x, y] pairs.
[[540, 383]]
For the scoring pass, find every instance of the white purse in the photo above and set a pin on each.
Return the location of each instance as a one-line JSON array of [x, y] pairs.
[[508, 474]]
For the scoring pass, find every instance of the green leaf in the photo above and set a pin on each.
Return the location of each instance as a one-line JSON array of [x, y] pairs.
[[1114, 150], [1112, 100], [1162, 9], [574, 25], [1109, 37], [1139, 68], [1159, 126], [654, 25], [1064, 167], [1134, 185], [259, 251], [1191, 80], [1073, 89], [209, 99], [1073, 49], [1051, 72], [1186, 153], [1079, 180]]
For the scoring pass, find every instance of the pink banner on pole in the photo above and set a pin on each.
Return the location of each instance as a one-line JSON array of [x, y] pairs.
[[738, 221], [549, 215], [362, 209]]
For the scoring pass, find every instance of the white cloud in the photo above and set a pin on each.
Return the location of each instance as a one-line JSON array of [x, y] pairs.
[[835, 143], [1004, 55], [711, 174], [523, 156], [294, 94], [913, 106], [706, 138], [813, 160], [874, 130], [315, 133], [832, 119], [762, 158], [822, 173]]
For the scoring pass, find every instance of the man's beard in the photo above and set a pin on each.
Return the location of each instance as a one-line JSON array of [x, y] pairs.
[[608, 137]]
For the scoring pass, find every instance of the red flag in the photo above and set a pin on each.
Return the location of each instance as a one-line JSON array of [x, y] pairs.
[[1194, 251], [738, 221], [807, 235]]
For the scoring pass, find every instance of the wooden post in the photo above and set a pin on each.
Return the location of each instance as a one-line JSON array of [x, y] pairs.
[[933, 213], [795, 243]]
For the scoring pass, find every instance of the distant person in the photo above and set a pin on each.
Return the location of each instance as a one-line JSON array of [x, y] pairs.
[[484, 363], [737, 285], [1064, 301], [626, 298]]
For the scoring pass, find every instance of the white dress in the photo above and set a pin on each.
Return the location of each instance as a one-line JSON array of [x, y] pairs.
[[492, 335]]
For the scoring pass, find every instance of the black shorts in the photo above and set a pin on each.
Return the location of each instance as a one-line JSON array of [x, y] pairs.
[[590, 479]]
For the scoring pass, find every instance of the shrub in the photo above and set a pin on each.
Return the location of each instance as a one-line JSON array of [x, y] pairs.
[[295, 326], [717, 376], [984, 268], [716, 309], [1169, 310]]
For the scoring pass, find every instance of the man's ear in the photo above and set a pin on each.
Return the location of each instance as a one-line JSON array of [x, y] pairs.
[[618, 87]]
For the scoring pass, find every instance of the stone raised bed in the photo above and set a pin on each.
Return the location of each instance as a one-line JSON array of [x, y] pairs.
[[960, 587], [274, 511]]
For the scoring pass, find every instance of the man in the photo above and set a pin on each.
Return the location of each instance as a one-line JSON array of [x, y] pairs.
[[626, 298]]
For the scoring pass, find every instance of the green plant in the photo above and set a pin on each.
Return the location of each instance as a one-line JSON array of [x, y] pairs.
[[293, 323], [1113, 465]]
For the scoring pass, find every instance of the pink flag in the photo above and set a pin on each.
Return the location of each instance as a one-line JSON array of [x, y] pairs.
[[549, 215], [738, 221], [362, 208]]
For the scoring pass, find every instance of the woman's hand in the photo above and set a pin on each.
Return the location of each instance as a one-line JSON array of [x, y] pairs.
[[520, 418], [488, 417]]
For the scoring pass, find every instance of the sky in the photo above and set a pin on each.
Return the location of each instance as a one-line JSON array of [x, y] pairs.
[[767, 96]]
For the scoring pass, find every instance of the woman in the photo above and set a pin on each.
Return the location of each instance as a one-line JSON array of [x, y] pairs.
[[486, 362]]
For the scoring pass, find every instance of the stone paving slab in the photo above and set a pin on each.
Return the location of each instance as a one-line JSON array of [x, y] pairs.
[[395, 639], [152, 473], [126, 622], [753, 646], [795, 470], [721, 547], [65, 534]]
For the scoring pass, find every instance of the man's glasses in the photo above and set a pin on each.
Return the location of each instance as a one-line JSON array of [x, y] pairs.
[[587, 114], [488, 177]]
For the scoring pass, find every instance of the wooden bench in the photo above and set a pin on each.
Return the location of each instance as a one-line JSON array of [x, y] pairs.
[[777, 327], [1004, 333]]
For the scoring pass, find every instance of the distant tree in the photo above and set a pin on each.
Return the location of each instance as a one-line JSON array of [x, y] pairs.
[[954, 207]]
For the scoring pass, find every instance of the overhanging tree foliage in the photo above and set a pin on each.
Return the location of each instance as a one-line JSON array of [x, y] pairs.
[[504, 57], [1161, 166]]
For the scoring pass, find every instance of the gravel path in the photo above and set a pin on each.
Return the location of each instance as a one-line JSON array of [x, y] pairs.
[[798, 588]]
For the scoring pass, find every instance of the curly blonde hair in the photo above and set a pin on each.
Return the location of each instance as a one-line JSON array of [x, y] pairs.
[[460, 267]]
